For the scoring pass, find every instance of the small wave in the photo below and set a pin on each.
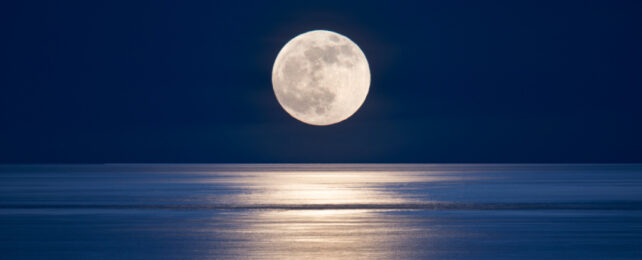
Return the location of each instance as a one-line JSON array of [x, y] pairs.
[[612, 205]]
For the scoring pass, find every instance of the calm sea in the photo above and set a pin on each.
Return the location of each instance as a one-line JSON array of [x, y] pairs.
[[324, 211]]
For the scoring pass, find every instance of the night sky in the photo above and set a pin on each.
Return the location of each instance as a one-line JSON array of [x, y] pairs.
[[190, 81]]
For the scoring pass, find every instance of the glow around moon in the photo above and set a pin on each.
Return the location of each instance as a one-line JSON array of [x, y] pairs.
[[321, 77]]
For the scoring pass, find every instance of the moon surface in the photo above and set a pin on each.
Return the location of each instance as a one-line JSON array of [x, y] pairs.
[[321, 77]]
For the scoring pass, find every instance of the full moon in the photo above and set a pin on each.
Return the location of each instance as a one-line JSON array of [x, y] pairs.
[[321, 77]]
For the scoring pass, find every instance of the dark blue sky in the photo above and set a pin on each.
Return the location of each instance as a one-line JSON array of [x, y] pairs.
[[189, 81]]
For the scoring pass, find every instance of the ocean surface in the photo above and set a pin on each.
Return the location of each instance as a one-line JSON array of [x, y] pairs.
[[320, 211]]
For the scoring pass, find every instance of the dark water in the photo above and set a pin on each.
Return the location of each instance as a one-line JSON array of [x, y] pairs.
[[320, 211]]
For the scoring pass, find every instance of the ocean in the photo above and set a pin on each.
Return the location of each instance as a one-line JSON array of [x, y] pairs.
[[321, 211]]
